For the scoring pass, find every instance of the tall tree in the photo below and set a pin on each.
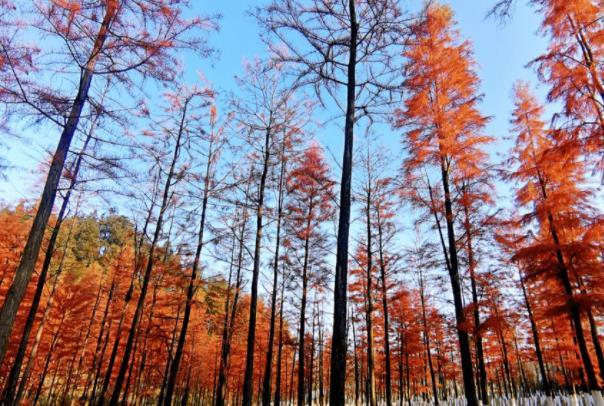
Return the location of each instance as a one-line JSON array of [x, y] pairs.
[[214, 141], [309, 205], [182, 107], [550, 175], [444, 132], [269, 109], [333, 45]]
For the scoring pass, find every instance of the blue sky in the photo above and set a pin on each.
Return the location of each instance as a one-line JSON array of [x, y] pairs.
[[502, 52]]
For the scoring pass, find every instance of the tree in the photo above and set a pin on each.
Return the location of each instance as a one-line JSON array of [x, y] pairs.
[[131, 38], [443, 131], [214, 140], [549, 176], [331, 46], [376, 193], [289, 141], [182, 103], [269, 110], [309, 205]]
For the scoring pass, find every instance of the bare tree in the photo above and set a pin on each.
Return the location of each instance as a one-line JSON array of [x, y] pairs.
[[335, 45], [263, 110]]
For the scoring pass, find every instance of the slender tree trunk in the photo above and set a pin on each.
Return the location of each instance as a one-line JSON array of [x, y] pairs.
[[575, 312], [97, 360], [535, 332], [504, 351], [321, 355], [31, 251], [337, 379], [191, 288], [302, 324], [369, 305], [312, 361], [384, 292], [229, 322], [248, 383], [573, 305], [464, 342], [482, 372], [427, 338], [116, 343], [88, 332], [266, 389], [169, 359], [53, 344], [31, 316], [596, 342], [150, 262], [357, 375], [277, 401]]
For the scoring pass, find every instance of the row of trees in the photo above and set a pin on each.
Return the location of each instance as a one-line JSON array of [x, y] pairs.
[[152, 306]]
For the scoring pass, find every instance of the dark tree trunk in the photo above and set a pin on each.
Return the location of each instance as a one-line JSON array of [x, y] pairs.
[[31, 251], [302, 324], [248, 383], [266, 388], [229, 321], [337, 379], [357, 375], [88, 332], [34, 350], [464, 341], [369, 305], [116, 343], [277, 401], [384, 292], [482, 372], [544, 380], [427, 339], [573, 306], [164, 382], [191, 288], [53, 344]]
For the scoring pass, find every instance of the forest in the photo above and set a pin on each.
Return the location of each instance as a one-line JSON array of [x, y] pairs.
[[337, 224]]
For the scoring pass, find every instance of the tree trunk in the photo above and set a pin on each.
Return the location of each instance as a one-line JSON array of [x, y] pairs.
[[53, 344], [150, 262], [266, 389], [302, 324], [544, 380], [191, 288], [277, 401], [427, 338], [50, 249], [385, 311], [31, 251], [482, 372], [337, 379], [248, 383], [464, 342], [357, 375], [369, 305], [34, 350], [88, 332], [229, 322], [169, 359]]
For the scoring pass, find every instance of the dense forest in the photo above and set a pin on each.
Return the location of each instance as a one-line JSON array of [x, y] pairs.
[[191, 245]]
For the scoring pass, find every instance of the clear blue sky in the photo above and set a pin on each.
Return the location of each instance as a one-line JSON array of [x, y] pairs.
[[502, 51]]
